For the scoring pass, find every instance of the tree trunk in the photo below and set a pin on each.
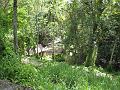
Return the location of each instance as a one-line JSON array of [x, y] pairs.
[[112, 54], [37, 37], [53, 54], [15, 26], [93, 48]]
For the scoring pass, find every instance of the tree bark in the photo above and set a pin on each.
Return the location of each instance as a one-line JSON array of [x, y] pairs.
[[15, 26], [112, 54], [93, 47]]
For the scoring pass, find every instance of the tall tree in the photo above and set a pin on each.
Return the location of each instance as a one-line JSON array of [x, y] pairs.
[[15, 26], [96, 8]]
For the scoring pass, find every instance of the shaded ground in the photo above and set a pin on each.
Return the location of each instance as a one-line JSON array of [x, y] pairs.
[[6, 85]]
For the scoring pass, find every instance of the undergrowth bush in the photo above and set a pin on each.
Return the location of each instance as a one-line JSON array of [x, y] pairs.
[[59, 58], [57, 76], [13, 70], [77, 78]]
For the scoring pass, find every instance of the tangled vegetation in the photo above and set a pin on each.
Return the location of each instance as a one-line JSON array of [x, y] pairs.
[[58, 76], [60, 44]]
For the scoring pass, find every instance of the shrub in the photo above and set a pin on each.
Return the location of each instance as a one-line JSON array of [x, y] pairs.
[[59, 58], [16, 72], [57, 76]]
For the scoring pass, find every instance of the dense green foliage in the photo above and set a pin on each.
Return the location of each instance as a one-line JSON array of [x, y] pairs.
[[58, 76], [78, 39]]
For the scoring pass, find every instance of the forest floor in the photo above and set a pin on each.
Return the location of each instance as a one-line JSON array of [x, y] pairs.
[[47, 74], [61, 76]]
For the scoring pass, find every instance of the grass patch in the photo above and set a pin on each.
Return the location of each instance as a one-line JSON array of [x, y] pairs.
[[58, 76]]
